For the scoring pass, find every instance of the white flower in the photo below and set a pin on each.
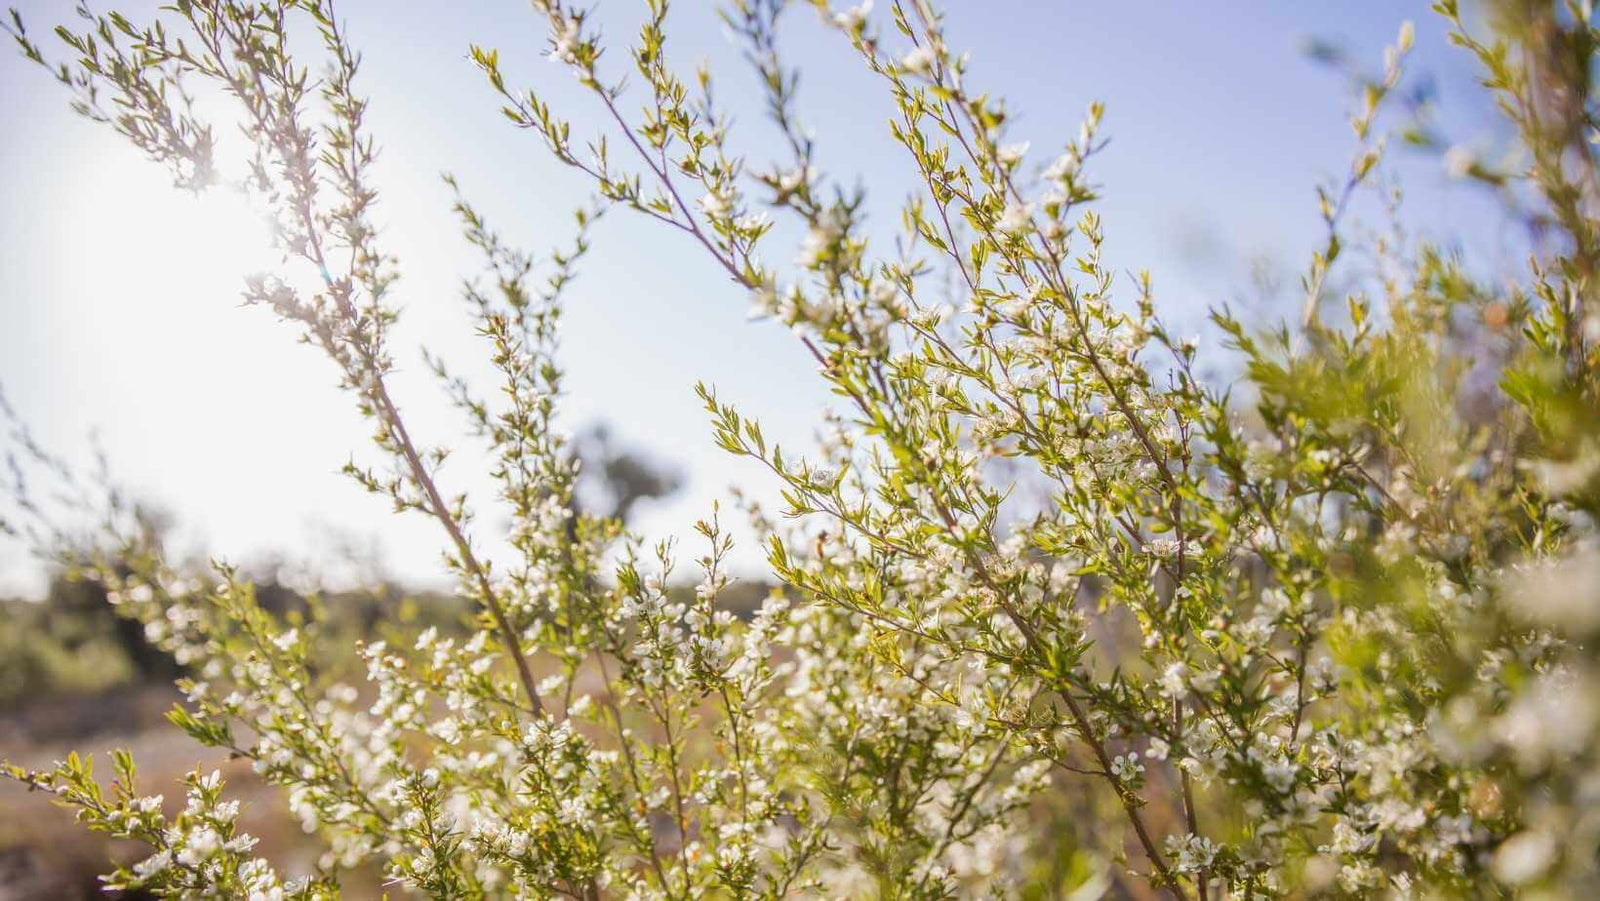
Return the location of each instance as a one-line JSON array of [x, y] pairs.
[[1126, 767], [790, 181], [764, 300], [854, 18], [1061, 169], [1192, 853], [1016, 220], [813, 248], [202, 843], [1012, 154], [1174, 680], [717, 205], [1459, 161], [919, 61], [153, 865], [819, 239], [1563, 591], [566, 37], [1280, 774]]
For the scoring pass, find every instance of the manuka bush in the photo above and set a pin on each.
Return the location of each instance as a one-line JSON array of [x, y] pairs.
[[1327, 633]]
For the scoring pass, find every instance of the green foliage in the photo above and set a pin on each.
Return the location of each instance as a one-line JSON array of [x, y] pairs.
[[1331, 637]]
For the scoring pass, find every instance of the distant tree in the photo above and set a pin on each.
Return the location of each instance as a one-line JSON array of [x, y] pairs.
[[613, 478]]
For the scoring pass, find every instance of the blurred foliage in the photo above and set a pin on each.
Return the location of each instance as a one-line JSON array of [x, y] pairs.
[[73, 642]]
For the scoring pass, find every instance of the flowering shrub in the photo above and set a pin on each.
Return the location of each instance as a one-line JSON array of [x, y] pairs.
[[1330, 633]]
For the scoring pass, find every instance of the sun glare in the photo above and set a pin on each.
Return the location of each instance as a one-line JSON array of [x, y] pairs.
[[221, 230], [194, 241]]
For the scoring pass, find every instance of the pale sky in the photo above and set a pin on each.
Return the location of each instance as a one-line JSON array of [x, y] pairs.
[[120, 315]]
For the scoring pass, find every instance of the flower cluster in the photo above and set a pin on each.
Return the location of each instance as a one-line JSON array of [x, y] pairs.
[[198, 853], [1050, 599]]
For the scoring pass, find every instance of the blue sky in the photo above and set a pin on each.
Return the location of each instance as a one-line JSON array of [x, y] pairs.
[[119, 307]]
